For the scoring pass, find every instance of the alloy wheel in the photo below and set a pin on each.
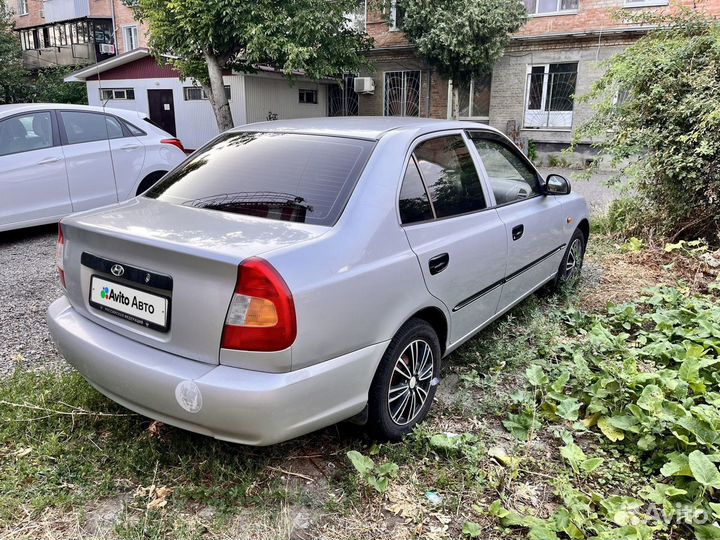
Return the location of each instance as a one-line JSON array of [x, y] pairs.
[[410, 382], [573, 262]]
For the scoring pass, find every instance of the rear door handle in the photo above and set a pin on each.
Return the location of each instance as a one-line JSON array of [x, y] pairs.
[[130, 146], [517, 232], [49, 160], [439, 263]]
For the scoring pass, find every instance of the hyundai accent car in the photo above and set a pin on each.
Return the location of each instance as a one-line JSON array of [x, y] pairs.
[[58, 159], [293, 274]]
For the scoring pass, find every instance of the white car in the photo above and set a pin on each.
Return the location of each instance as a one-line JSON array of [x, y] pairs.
[[57, 159]]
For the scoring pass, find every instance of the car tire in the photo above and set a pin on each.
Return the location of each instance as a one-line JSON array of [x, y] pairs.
[[405, 382], [571, 264]]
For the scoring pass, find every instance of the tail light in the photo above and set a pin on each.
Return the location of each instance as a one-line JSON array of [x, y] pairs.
[[262, 312], [60, 254], [175, 142]]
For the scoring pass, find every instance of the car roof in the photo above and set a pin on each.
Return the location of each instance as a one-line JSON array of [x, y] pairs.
[[360, 127], [7, 110]]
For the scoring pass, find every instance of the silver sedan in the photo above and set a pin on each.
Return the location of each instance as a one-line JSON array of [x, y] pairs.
[[293, 274]]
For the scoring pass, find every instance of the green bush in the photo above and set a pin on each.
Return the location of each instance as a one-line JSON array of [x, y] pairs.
[[657, 118], [646, 379]]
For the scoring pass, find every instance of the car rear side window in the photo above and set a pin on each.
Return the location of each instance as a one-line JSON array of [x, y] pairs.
[[26, 132], [414, 201], [450, 176], [82, 127], [282, 176]]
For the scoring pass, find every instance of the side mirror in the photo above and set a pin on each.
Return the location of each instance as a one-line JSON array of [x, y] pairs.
[[557, 185]]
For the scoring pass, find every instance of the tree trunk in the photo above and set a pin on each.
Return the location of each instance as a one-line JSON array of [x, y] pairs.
[[456, 100], [216, 94]]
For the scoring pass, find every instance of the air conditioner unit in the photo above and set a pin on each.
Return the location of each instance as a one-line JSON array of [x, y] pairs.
[[364, 85], [107, 48]]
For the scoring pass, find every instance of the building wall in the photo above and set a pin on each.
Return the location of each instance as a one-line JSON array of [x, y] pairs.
[[42, 12], [194, 120], [599, 15], [588, 36], [509, 85], [267, 94]]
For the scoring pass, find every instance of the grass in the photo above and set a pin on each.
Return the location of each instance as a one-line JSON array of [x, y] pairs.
[[72, 463]]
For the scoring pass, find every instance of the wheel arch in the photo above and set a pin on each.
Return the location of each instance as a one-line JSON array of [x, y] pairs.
[[584, 226], [435, 317]]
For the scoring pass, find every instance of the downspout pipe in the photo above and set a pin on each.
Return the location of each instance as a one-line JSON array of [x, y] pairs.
[[114, 27]]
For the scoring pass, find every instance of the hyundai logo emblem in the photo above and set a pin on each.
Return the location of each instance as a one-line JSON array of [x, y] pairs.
[[117, 270]]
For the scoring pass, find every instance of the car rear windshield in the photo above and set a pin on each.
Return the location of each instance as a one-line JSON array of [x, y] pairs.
[[282, 176]]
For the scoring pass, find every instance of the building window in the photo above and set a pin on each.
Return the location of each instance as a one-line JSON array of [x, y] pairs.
[[550, 97], [116, 93], [22, 7], [543, 7], [402, 93], [357, 19], [474, 97], [645, 3], [396, 15], [197, 93], [130, 36], [309, 96]]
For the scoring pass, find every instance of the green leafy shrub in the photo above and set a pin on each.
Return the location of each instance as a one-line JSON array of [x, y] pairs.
[[377, 477], [646, 378], [657, 117]]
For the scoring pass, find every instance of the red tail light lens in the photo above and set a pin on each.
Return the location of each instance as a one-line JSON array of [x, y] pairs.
[[60, 255], [175, 142], [262, 312]]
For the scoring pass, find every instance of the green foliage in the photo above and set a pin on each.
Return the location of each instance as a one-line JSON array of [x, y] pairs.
[[471, 529], [633, 245], [664, 132], [647, 377], [532, 151], [461, 37], [377, 477], [13, 83], [49, 87]]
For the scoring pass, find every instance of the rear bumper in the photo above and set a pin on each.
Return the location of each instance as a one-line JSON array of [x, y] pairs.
[[238, 405]]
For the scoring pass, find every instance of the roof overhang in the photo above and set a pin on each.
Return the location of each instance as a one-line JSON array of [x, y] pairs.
[[81, 75]]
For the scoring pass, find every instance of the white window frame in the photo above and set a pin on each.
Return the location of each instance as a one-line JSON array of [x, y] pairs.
[[22, 7], [132, 31], [204, 97], [552, 125], [404, 89], [393, 16], [558, 11], [117, 94], [645, 3], [472, 91]]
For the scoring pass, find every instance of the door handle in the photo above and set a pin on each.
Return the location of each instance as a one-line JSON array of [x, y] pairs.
[[439, 263], [130, 146], [517, 232], [48, 160]]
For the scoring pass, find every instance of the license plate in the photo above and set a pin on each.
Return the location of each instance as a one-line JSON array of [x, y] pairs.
[[139, 307]]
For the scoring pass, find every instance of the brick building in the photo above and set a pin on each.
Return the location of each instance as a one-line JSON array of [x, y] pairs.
[[75, 32], [530, 96]]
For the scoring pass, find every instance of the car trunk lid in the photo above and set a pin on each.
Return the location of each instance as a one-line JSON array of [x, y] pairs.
[[177, 259]]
